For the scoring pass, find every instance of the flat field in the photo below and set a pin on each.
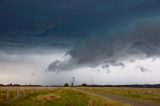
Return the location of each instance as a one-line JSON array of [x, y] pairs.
[[50, 96], [146, 95]]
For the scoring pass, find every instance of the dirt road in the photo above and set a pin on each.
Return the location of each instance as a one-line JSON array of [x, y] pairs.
[[131, 102]]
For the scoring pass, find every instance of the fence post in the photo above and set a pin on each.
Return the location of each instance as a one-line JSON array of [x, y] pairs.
[[7, 94], [24, 93], [17, 94]]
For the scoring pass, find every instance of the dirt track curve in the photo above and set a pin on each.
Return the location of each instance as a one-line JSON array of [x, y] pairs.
[[124, 100]]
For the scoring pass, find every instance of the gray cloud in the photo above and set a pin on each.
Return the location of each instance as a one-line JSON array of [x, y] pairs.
[[64, 65], [139, 41], [142, 69], [50, 23]]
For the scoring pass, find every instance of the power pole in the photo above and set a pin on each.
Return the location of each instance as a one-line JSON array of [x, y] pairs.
[[73, 81]]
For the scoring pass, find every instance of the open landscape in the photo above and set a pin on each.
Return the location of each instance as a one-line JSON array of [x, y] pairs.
[[79, 96], [132, 96], [79, 52], [50, 96]]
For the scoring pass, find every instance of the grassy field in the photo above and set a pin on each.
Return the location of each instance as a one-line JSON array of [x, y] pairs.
[[148, 94], [42, 96]]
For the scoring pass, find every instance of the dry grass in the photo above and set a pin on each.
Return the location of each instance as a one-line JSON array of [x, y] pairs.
[[149, 94], [47, 98], [95, 101], [13, 93], [51, 97]]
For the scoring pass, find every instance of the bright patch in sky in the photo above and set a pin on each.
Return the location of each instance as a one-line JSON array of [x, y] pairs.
[[131, 73]]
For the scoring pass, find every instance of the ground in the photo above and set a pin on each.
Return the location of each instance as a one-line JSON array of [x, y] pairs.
[[79, 96]]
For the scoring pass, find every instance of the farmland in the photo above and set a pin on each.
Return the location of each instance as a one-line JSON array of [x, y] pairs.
[[79, 96], [151, 95], [50, 96]]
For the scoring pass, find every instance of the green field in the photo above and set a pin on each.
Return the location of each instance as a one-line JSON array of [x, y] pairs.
[[145, 94], [45, 96], [68, 96]]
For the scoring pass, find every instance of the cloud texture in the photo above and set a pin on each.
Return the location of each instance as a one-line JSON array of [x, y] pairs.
[[139, 41], [92, 32]]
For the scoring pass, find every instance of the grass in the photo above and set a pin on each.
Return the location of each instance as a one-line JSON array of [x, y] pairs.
[[148, 94], [51, 97]]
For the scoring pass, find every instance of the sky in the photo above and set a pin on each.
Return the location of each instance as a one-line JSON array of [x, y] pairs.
[[96, 41]]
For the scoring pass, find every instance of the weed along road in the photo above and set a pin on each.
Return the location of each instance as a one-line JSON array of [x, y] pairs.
[[124, 100], [51, 96]]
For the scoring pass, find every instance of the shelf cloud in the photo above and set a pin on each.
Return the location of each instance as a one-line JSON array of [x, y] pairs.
[[139, 42]]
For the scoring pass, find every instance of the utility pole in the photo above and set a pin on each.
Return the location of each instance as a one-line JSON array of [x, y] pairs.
[[73, 81], [91, 78]]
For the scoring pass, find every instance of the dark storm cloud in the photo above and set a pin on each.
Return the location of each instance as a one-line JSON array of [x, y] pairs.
[[139, 41], [65, 65], [33, 25], [57, 23]]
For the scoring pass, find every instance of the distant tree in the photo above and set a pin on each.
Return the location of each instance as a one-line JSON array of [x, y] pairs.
[[10, 84], [66, 85], [84, 85], [16, 85]]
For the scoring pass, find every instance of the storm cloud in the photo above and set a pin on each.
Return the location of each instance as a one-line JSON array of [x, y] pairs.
[[138, 41], [92, 32], [60, 23]]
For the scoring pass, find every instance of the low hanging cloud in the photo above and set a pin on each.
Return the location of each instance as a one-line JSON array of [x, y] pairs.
[[140, 41], [142, 69], [62, 65]]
